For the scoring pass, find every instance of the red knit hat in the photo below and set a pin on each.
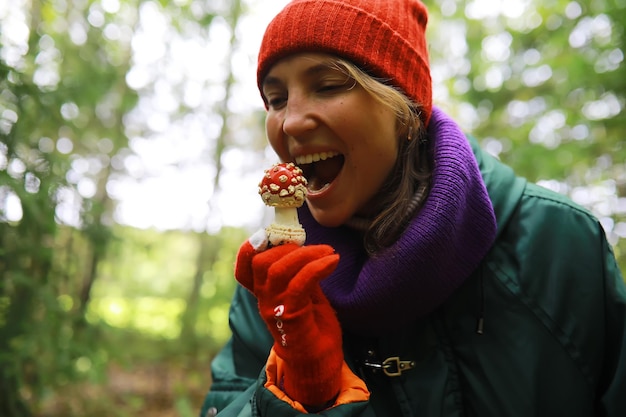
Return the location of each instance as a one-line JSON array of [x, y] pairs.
[[385, 38]]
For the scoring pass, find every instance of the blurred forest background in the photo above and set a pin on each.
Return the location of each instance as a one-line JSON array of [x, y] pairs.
[[112, 302]]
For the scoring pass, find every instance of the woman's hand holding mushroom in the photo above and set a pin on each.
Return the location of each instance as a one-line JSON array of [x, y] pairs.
[[285, 278], [307, 335]]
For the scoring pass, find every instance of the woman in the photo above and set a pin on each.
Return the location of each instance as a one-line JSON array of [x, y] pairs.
[[433, 282]]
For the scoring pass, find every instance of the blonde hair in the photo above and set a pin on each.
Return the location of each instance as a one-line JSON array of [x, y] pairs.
[[406, 188]]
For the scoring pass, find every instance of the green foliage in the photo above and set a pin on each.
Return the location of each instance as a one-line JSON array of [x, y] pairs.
[[62, 101], [64, 104], [542, 85], [145, 279]]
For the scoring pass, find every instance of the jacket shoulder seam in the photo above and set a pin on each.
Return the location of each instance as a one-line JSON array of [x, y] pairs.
[[536, 191]]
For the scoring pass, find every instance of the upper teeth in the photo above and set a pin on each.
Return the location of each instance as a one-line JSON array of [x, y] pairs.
[[320, 156]]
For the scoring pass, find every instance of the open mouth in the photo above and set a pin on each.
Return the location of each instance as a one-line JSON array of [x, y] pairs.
[[320, 169]]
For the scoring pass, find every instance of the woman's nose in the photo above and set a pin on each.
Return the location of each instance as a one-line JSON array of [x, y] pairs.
[[299, 117]]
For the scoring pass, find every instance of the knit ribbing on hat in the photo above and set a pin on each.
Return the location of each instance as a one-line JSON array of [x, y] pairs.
[[443, 244], [385, 38]]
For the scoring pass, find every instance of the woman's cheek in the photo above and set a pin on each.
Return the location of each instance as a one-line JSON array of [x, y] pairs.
[[270, 124], [272, 130]]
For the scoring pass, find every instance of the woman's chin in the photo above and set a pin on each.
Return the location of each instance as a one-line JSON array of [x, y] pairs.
[[328, 218]]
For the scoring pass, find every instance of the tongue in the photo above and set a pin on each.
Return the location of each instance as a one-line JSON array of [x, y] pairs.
[[324, 172]]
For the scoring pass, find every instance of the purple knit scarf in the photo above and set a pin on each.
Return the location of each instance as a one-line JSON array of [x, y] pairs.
[[441, 247]]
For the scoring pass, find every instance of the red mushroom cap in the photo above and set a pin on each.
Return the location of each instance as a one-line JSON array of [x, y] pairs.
[[283, 185]]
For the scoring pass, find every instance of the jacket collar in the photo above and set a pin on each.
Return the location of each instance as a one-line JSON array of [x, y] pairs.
[[505, 189]]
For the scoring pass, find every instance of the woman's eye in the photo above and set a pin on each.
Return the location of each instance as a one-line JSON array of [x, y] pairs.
[[275, 102], [329, 87], [335, 85]]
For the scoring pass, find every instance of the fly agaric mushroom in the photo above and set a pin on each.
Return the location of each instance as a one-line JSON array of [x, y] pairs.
[[284, 187]]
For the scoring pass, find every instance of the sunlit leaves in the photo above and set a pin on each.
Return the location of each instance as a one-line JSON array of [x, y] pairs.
[[543, 89]]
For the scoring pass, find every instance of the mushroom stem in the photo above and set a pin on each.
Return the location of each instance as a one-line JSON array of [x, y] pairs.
[[286, 215], [286, 227]]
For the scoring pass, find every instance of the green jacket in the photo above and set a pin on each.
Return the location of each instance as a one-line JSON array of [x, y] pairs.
[[549, 298]]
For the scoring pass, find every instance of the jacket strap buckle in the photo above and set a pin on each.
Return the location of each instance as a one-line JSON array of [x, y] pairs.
[[393, 366]]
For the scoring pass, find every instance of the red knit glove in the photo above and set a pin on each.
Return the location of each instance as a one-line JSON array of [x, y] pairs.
[[307, 336]]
